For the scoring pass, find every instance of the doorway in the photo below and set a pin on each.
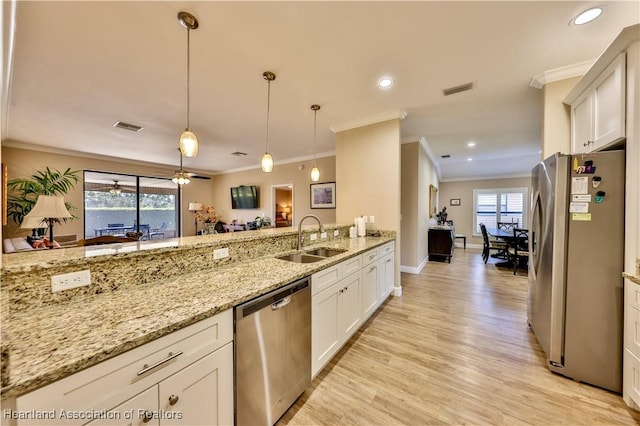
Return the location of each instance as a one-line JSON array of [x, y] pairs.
[[282, 205]]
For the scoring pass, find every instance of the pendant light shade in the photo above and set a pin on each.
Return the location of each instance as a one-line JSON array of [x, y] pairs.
[[315, 172], [267, 159], [188, 139], [267, 163]]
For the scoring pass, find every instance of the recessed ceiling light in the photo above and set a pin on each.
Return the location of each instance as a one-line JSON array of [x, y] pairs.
[[587, 16], [385, 82], [471, 144], [469, 159]]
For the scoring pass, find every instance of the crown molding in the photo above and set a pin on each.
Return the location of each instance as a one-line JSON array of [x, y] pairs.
[[562, 73], [422, 142], [278, 163], [372, 119]]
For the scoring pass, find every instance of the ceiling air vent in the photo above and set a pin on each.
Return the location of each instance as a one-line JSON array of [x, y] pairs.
[[127, 126], [445, 156], [457, 89], [239, 154]]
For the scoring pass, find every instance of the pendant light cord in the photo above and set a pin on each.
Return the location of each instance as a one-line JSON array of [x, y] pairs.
[[315, 143], [188, 73], [268, 108]]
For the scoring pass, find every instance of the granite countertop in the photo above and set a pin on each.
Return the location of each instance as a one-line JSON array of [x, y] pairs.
[[631, 277], [51, 342]]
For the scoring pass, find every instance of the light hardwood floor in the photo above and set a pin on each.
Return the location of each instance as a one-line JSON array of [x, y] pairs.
[[454, 349]]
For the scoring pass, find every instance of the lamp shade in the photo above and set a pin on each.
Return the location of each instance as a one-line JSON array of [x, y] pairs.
[[188, 143], [267, 163], [49, 207], [315, 174], [33, 222], [195, 207]]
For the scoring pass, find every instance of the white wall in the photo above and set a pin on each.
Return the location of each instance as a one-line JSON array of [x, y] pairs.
[[556, 120]]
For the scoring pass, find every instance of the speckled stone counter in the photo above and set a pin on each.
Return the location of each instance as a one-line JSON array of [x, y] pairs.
[[631, 277], [48, 341]]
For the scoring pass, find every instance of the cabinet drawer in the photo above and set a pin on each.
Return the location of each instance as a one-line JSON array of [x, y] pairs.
[[108, 383], [370, 256], [350, 266], [387, 248], [324, 279], [631, 293]]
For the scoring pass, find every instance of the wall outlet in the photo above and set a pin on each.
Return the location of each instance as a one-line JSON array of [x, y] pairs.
[[221, 253], [336, 233], [71, 280], [313, 237], [323, 235], [372, 219]]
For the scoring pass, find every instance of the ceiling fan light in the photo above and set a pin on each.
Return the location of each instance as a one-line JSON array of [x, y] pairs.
[[315, 174], [180, 178], [267, 163], [115, 191], [188, 143]]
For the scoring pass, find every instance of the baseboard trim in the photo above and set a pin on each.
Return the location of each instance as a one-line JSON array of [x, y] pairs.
[[414, 269]]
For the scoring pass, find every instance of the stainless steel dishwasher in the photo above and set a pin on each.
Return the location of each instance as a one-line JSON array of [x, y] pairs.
[[272, 353]]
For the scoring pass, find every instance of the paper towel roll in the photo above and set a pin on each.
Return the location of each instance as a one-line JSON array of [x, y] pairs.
[[360, 225]]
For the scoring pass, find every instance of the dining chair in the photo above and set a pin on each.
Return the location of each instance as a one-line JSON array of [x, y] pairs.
[[105, 239], [507, 225], [489, 245], [519, 247]]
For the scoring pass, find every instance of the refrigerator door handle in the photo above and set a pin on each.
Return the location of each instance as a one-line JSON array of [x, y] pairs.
[[536, 231]]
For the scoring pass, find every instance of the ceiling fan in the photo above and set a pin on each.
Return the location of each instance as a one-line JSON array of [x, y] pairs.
[[182, 177], [115, 189]]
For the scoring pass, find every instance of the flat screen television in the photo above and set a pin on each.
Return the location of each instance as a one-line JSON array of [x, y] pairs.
[[244, 197]]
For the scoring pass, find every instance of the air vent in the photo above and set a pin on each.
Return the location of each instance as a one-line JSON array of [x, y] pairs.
[[445, 156], [457, 89], [127, 126], [239, 154]]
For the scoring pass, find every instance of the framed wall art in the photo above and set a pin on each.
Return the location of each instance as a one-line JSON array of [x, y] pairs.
[[323, 195]]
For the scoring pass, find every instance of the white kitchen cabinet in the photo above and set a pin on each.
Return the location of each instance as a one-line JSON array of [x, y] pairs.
[[370, 280], [598, 114], [179, 363], [335, 311], [387, 269]]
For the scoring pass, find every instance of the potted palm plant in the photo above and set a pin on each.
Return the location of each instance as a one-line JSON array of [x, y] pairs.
[[23, 193]]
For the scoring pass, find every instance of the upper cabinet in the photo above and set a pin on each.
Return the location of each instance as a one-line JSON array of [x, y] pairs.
[[598, 114]]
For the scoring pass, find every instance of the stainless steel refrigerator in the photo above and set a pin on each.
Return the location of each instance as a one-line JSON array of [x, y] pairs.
[[575, 298]]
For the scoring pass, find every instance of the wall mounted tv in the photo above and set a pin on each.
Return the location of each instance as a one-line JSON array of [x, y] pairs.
[[244, 197]]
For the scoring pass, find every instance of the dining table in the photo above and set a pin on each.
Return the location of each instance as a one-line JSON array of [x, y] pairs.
[[506, 235]]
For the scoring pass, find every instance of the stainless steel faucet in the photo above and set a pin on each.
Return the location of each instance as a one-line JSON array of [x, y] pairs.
[[300, 237]]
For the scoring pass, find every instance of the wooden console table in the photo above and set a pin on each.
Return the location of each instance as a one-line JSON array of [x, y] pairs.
[[440, 242]]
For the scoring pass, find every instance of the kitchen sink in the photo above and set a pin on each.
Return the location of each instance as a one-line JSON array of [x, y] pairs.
[[301, 258], [325, 252]]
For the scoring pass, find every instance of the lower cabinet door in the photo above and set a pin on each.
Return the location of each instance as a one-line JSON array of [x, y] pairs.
[[369, 290], [350, 306], [325, 333], [141, 410], [200, 394]]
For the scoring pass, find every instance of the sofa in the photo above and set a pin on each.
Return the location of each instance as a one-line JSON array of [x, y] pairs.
[[20, 244]]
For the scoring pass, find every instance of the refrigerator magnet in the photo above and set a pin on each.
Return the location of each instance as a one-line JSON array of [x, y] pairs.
[[600, 196], [579, 208], [581, 217], [595, 181], [580, 185], [581, 198]]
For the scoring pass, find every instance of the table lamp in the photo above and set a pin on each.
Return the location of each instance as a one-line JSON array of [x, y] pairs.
[[285, 213], [195, 207], [49, 208]]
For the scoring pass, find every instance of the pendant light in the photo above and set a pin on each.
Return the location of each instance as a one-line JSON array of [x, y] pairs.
[[188, 139], [267, 159], [315, 172]]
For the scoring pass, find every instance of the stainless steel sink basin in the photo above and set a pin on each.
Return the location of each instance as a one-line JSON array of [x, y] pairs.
[[301, 258], [325, 252]]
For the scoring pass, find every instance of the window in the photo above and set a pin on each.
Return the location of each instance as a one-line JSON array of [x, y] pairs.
[[115, 204], [499, 205]]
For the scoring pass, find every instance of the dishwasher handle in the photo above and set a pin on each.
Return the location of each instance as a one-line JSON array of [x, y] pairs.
[[277, 299], [281, 303]]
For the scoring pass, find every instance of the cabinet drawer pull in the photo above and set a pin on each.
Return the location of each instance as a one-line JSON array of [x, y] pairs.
[[148, 415], [372, 256], [173, 399], [373, 268], [147, 367]]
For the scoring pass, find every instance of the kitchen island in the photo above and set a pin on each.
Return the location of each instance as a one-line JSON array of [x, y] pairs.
[[156, 290]]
